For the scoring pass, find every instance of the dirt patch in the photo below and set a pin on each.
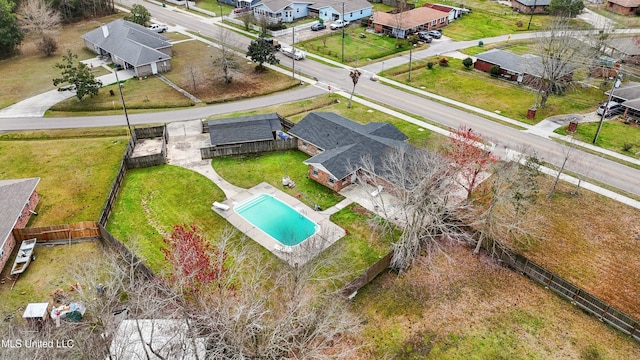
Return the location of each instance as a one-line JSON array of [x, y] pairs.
[[146, 147]]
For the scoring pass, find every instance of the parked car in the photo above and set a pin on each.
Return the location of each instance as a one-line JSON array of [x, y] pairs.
[[293, 53], [338, 24], [240, 10], [424, 36], [435, 34], [159, 28], [318, 26], [273, 42], [613, 108]]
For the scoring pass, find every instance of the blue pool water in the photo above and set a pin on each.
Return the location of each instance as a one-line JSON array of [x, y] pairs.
[[277, 219]]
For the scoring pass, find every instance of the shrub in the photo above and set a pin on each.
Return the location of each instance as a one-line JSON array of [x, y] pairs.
[[627, 147], [47, 45], [519, 24], [430, 65], [495, 70], [467, 62], [444, 62]]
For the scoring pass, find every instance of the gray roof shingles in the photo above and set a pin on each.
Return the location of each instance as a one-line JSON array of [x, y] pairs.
[[14, 195], [243, 129], [131, 42], [345, 142]]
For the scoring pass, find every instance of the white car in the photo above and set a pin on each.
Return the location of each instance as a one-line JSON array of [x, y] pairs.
[[338, 24], [159, 28], [293, 53]]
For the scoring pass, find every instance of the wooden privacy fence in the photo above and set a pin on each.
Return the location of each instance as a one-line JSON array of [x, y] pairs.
[[153, 159], [116, 244], [374, 270], [75, 231], [248, 148], [150, 132], [588, 302]]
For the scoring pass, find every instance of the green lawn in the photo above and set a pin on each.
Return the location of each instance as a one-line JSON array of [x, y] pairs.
[[481, 90], [614, 135], [249, 171], [72, 187]]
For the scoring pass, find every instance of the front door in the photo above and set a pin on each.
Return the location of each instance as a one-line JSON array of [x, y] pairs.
[[154, 68]]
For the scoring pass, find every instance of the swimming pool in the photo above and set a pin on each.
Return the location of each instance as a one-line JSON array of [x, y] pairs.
[[276, 219]]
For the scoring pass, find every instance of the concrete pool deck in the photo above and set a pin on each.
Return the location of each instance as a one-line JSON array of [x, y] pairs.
[[299, 254]]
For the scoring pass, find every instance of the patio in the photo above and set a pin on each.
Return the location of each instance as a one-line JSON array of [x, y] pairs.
[[296, 255]]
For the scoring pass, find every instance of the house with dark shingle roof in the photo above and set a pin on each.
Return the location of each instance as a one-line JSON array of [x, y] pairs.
[[338, 145], [525, 68], [18, 199], [407, 22], [623, 7], [244, 129], [531, 6], [132, 46]]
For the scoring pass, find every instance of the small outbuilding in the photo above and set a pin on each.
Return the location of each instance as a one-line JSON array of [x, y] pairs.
[[36, 314], [244, 129]]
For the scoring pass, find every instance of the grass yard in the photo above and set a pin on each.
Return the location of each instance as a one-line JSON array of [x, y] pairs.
[[30, 73], [621, 21], [153, 200], [249, 171], [471, 308], [481, 90], [591, 241], [51, 270], [73, 187], [357, 51], [615, 135]]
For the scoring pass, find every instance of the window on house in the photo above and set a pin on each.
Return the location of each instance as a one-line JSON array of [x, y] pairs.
[[304, 144], [434, 22], [315, 172], [442, 20], [298, 10], [331, 180]]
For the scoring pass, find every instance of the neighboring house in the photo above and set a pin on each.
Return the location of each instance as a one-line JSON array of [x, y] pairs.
[[623, 7], [408, 22], [19, 200], [240, 3], [139, 339], [525, 69], [132, 46], [329, 10], [628, 48], [337, 146], [281, 10], [346, 10], [454, 13], [626, 91], [529, 6], [244, 129]]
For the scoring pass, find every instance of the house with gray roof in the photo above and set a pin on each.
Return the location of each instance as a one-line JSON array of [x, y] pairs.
[[526, 69], [531, 6], [131, 46], [327, 10], [244, 129], [19, 200], [627, 48], [338, 146]]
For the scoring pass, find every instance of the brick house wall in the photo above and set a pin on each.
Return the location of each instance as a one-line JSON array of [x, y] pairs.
[[521, 8], [622, 10], [25, 215], [486, 67], [308, 148], [326, 179]]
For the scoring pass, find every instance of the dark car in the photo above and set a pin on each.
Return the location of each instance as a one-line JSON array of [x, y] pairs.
[[318, 26], [424, 36], [434, 34]]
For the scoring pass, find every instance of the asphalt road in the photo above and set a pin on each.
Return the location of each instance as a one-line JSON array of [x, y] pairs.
[[585, 164]]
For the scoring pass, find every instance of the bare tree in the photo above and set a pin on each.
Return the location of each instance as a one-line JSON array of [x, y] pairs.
[[501, 212], [355, 76], [193, 73], [423, 206], [247, 19], [226, 62], [560, 53], [37, 16]]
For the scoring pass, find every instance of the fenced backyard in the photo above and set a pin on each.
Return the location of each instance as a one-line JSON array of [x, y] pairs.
[[69, 232], [256, 147]]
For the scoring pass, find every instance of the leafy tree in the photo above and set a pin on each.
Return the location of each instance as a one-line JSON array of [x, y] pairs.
[[569, 8], [77, 76], [10, 33], [139, 15], [470, 158], [261, 52], [494, 70], [467, 62], [192, 257]]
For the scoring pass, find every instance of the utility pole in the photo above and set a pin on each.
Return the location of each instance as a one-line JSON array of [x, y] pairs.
[[533, 9], [124, 107], [616, 83], [293, 55], [343, 32]]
